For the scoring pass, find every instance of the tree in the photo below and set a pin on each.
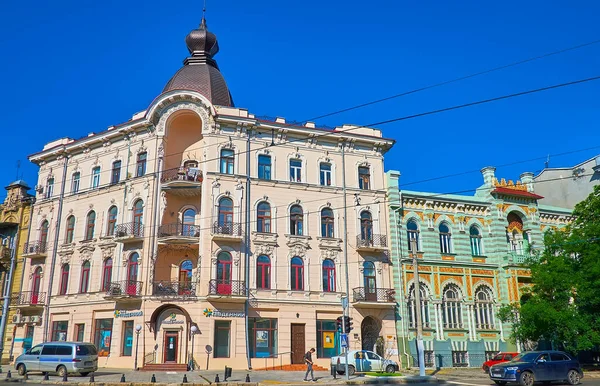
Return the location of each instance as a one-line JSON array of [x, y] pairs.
[[563, 305]]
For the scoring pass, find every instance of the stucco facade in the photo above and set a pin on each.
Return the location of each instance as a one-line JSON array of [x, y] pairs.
[[470, 251]]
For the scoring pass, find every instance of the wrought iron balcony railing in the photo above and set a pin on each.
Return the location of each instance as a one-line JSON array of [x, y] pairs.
[[170, 289], [182, 174], [28, 298], [227, 228], [227, 287], [131, 229], [364, 294], [371, 241], [35, 248], [183, 230], [125, 288]]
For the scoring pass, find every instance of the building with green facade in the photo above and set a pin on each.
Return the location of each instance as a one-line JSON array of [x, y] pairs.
[[471, 251]]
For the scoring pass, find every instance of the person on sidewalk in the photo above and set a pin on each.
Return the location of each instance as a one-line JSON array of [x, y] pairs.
[[309, 364]]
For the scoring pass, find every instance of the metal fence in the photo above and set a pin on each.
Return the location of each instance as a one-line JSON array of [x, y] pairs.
[[440, 359]]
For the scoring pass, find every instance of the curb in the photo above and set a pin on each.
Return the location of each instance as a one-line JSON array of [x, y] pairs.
[[386, 380]]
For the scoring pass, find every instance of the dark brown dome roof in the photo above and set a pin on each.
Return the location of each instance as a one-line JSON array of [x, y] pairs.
[[200, 71]]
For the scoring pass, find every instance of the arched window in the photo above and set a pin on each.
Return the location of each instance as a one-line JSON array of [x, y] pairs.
[[90, 223], [327, 228], [412, 233], [263, 272], [188, 223], [138, 218], [328, 275], [64, 279], [370, 281], [225, 211], [445, 235], [44, 234], [85, 278], [475, 236], [36, 282], [297, 274], [296, 220], [263, 218], [412, 309], [185, 277], [484, 308], [451, 309], [70, 229], [112, 220], [515, 233], [224, 273], [366, 226], [132, 274], [107, 274], [227, 159]]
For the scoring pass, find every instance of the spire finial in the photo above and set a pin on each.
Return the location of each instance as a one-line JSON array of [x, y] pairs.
[[203, 22]]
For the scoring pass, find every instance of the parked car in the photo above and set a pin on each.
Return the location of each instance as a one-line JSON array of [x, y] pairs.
[[59, 357], [498, 358], [533, 366], [363, 361]]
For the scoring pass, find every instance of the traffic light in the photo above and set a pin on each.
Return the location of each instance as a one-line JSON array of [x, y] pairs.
[[347, 324], [338, 324]]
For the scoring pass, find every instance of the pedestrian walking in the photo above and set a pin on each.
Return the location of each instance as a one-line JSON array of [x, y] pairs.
[[309, 365]]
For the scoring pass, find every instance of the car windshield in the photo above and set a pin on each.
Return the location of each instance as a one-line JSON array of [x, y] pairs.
[[526, 357], [497, 357]]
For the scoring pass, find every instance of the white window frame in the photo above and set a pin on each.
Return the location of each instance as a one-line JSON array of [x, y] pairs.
[[96, 177]]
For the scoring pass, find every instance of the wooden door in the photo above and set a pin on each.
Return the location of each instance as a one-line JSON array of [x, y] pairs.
[[170, 347], [298, 344]]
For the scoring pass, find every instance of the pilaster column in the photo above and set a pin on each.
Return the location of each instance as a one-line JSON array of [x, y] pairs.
[[441, 322], [470, 323]]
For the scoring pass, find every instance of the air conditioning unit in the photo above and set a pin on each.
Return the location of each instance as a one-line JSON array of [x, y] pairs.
[[25, 319], [16, 319], [36, 319]]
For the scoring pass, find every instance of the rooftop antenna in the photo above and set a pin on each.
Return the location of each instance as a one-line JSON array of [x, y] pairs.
[[547, 163], [18, 167], [204, 10]]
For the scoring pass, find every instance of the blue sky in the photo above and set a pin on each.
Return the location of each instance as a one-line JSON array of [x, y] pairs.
[[73, 67]]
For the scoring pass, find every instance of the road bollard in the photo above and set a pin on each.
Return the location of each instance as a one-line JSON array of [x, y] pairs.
[[184, 379], [92, 379], [25, 377], [217, 378], [65, 377], [153, 380], [122, 378], [46, 377], [247, 377], [8, 375]]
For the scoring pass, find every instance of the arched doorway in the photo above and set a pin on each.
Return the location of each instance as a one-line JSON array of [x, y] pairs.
[[370, 330], [171, 325]]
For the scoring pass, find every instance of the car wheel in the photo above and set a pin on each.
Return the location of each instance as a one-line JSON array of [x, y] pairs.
[[390, 369], [526, 378], [486, 369], [351, 370], [61, 371], [500, 382], [21, 369], [573, 377]]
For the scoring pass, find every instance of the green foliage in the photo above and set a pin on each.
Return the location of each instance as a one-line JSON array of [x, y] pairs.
[[564, 303]]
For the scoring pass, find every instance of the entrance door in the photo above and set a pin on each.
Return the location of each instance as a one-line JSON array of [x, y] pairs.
[[298, 344], [170, 349]]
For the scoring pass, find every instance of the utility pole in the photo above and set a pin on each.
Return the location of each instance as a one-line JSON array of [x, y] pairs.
[[346, 309], [7, 290], [417, 281]]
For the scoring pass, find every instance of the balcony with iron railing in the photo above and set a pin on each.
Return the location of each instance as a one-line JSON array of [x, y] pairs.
[[227, 290], [372, 242], [182, 181], [33, 249], [33, 299], [518, 257], [123, 290], [178, 233], [174, 289], [373, 297], [129, 232], [227, 230]]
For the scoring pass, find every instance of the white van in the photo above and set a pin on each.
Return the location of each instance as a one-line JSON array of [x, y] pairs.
[[59, 357]]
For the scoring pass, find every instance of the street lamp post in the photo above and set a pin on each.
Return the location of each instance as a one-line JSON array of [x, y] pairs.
[[138, 329], [194, 330]]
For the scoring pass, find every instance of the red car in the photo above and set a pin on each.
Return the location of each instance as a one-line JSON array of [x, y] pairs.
[[499, 358]]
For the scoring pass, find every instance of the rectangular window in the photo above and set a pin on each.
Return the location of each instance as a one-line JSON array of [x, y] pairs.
[[263, 337], [227, 158], [295, 170], [222, 338], [140, 169], [49, 187], [115, 176], [264, 167], [102, 336], [459, 359], [325, 174], [75, 182], [95, 177], [364, 178], [59, 330], [127, 348], [327, 339], [79, 332]]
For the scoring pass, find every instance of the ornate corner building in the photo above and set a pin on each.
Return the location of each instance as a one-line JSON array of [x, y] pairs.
[[471, 251]]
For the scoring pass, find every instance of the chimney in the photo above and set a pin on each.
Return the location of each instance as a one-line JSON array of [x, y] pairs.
[[527, 180], [488, 175]]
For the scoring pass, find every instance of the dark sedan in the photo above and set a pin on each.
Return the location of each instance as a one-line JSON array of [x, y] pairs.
[[537, 366]]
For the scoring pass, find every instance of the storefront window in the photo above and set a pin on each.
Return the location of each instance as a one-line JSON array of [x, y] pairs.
[[127, 338], [263, 339], [327, 339], [79, 332], [59, 330], [102, 336], [222, 334]]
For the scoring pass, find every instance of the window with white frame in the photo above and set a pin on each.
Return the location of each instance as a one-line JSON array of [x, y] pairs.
[[364, 178], [227, 161], [412, 233], [451, 307], [295, 170], [484, 308], [445, 238], [325, 174], [264, 167], [412, 309], [49, 187], [296, 220], [75, 182], [475, 236], [95, 177]]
